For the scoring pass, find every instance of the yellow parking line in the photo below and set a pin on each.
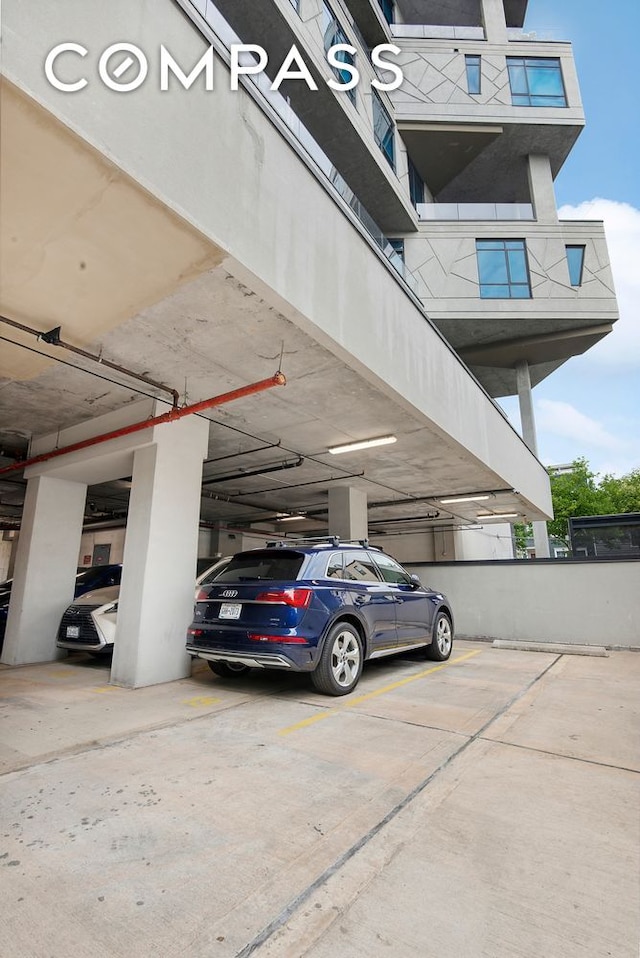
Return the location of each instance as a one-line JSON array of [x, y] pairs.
[[201, 701], [327, 713]]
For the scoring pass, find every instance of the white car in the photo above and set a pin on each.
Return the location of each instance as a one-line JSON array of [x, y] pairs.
[[89, 624]]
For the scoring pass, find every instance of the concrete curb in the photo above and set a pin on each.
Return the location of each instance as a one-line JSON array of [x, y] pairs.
[[598, 650]]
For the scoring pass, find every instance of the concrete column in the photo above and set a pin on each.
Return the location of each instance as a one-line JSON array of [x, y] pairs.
[[348, 513], [158, 583], [495, 24], [525, 399], [523, 378], [45, 570], [543, 195]]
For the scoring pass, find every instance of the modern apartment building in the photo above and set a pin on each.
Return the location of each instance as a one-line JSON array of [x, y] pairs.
[[394, 248]]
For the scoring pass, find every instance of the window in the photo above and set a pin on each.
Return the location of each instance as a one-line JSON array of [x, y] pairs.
[[416, 184], [359, 567], [296, 5], [536, 82], [397, 245], [575, 262], [391, 571], [472, 64], [335, 566], [270, 564], [502, 269], [383, 130], [395, 253], [388, 7], [333, 35]]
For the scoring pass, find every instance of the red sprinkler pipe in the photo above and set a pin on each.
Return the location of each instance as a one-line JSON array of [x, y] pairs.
[[279, 379]]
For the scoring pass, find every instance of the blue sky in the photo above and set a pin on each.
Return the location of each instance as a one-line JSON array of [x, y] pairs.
[[591, 406]]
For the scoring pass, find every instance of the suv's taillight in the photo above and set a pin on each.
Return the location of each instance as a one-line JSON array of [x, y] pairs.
[[298, 598], [202, 594]]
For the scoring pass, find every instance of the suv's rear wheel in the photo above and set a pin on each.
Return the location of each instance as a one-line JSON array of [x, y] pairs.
[[340, 665], [442, 641], [228, 670]]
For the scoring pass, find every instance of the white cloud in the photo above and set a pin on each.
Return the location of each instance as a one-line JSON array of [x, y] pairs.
[[563, 419], [622, 226]]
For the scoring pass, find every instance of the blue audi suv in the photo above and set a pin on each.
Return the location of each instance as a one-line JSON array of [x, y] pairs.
[[323, 607]]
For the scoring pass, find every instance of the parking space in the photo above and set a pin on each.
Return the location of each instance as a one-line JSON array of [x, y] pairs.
[[486, 806]]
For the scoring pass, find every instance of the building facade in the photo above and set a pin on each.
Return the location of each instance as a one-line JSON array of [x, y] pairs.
[[198, 194]]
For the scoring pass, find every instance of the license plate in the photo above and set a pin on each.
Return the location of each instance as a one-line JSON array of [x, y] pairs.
[[73, 631], [230, 610]]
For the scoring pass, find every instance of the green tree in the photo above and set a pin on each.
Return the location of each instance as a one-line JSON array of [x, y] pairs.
[[581, 492], [623, 493]]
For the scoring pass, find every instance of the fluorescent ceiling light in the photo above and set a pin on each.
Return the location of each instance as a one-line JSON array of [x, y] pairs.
[[363, 444], [464, 499], [290, 518], [499, 515]]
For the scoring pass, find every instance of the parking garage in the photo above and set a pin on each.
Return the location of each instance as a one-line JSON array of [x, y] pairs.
[[188, 305]]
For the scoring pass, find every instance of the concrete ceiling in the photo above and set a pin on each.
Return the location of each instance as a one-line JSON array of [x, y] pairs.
[[461, 13], [71, 224], [440, 152], [157, 297]]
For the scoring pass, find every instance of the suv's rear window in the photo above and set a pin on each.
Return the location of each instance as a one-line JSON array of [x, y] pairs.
[[271, 564]]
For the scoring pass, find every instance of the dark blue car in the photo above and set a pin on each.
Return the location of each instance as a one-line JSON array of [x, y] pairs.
[[319, 607]]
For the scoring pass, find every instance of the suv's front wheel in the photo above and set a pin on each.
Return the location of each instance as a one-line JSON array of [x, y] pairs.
[[340, 665], [442, 638]]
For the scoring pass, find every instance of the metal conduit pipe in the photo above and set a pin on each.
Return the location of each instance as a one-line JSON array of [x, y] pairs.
[[278, 467], [244, 452], [278, 379], [52, 338], [300, 485]]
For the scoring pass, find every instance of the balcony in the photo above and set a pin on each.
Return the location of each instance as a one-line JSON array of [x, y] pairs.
[[552, 321], [314, 151], [461, 212], [342, 125], [418, 31], [469, 146]]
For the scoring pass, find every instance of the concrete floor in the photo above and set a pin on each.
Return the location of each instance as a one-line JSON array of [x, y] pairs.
[[487, 808]]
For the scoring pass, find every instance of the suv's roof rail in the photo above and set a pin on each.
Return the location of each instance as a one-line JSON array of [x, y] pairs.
[[297, 540], [333, 541]]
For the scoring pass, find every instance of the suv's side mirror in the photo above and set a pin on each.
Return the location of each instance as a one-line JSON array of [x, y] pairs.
[[415, 581]]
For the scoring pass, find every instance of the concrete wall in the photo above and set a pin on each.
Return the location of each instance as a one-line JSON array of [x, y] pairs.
[[444, 258], [111, 537], [493, 541], [5, 558], [562, 601], [435, 84]]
